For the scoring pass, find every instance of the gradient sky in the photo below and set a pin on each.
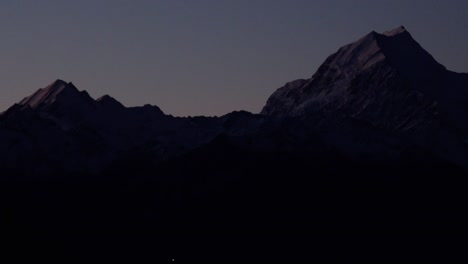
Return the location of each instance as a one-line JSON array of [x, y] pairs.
[[203, 57]]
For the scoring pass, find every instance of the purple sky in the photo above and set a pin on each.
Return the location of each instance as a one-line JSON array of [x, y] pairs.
[[204, 57]]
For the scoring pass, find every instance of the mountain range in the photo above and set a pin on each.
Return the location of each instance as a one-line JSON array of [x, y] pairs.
[[374, 140]]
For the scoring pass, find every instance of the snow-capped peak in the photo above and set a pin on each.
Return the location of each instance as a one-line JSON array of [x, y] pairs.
[[377, 79], [49, 94], [396, 31]]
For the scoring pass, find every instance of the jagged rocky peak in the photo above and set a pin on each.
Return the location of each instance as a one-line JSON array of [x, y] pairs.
[[63, 100], [407, 56], [49, 94], [396, 31], [57, 84], [361, 54], [151, 109], [395, 47], [108, 101]]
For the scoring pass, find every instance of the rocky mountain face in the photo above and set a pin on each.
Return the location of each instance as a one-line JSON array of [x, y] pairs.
[[387, 82], [375, 140]]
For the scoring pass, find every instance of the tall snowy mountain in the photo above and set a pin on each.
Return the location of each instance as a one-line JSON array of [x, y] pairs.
[[387, 82]]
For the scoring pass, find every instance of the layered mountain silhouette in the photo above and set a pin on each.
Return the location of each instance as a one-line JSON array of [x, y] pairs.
[[374, 140]]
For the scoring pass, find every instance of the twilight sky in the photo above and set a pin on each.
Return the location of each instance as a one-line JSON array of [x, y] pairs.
[[203, 57]]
